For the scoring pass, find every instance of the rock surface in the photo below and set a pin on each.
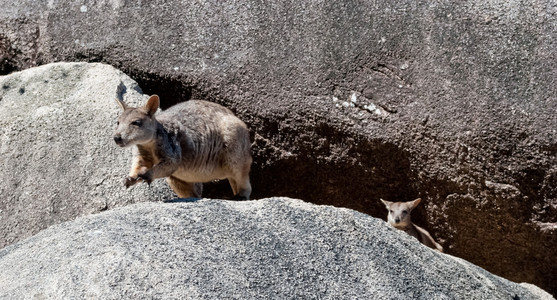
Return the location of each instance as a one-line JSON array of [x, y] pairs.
[[353, 101], [275, 248]]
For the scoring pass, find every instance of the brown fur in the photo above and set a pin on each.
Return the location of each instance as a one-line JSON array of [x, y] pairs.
[[191, 142], [400, 218]]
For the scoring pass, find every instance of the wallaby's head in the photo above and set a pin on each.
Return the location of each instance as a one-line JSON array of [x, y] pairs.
[[136, 125], [399, 212]]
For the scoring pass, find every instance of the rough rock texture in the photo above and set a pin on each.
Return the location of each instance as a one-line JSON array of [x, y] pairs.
[[57, 156], [275, 248], [350, 101]]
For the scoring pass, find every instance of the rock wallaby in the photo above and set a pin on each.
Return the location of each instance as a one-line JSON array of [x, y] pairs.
[[189, 143], [399, 218]]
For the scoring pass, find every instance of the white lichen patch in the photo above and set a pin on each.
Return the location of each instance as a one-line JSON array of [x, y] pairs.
[[83, 8], [353, 98], [372, 108], [354, 102]]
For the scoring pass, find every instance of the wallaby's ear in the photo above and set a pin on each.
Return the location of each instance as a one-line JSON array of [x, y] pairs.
[[416, 202], [387, 203], [121, 103], [152, 105]]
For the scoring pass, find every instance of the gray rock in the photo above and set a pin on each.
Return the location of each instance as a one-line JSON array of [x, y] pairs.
[[276, 248], [352, 101], [57, 157]]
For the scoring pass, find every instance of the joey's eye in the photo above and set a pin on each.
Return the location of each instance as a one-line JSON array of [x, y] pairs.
[[390, 210], [136, 123], [117, 123], [404, 212]]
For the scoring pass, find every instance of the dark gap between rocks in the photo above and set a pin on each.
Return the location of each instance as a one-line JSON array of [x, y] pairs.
[[171, 90]]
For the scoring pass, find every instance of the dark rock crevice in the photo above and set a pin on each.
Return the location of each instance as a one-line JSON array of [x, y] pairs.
[[170, 89], [8, 59]]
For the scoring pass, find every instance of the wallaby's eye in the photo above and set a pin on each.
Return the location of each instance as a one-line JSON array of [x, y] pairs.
[[117, 123], [404, 212], [391, 211], [136, 123]]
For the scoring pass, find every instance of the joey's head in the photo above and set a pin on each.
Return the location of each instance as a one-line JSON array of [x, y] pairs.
[[136, 125], [399, 212]]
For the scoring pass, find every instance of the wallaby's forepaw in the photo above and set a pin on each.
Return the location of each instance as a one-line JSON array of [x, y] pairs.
[[146, 177], [129, 181]]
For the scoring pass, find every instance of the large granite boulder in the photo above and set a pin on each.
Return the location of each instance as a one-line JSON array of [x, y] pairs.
[[274, 248], [353, 101], [57, 157]]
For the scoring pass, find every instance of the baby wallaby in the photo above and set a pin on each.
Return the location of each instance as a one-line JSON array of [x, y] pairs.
[[399, 218], [189, 143]]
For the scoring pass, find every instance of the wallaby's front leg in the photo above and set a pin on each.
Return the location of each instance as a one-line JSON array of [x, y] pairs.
[[140, 165], [143, 160], [170, 155], [162, 169]]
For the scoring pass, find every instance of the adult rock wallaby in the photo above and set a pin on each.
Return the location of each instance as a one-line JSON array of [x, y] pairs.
[[191, 142], [399, 218]]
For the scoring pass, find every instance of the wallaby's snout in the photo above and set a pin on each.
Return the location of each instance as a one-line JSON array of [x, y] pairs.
[[118, 140]]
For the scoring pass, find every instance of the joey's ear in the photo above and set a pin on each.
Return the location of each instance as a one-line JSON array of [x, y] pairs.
[[387, 203], [416, 202], [152, 105], [121, 103]]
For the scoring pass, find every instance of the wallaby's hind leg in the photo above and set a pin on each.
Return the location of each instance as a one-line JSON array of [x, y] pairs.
[[244, 189], [185, 189], [233, 185], [240, 183]]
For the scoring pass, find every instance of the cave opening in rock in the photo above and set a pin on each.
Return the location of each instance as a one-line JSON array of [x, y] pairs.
[[171, 90]]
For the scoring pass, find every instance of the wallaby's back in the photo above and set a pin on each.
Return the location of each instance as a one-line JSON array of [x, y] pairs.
[[210, 135], [425, 238]]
